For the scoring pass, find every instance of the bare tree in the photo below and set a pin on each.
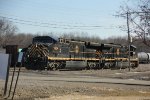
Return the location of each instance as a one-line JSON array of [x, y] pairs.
[[139, 20], [116, 40], [22, 39], [7, 30], [82, 36]]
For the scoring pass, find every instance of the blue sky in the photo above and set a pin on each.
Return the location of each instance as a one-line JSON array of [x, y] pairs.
[[96, 17]]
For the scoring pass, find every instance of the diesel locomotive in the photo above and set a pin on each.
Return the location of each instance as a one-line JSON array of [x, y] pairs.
[[48, 53]]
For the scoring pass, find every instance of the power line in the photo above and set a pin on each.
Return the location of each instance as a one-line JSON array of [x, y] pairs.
[[47, 23], [47, 26], [43, 24]]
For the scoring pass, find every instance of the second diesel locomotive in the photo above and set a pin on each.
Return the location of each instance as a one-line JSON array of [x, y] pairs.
[[48, 53]]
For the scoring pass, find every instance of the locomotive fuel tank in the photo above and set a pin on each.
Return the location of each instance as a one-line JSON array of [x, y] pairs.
[[76, 64]]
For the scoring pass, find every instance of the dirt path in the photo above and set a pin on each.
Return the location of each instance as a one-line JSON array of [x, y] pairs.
[[72, 85], [85, 97]]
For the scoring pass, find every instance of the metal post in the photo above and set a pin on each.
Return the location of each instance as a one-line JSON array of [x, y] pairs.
[[129, 42], [16, 82], [20, 59], [12, 80]]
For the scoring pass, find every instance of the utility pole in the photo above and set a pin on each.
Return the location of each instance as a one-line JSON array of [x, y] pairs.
[[129, 40], [128, 31]]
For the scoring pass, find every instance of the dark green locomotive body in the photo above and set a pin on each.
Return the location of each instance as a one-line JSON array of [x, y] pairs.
[[48, 53]]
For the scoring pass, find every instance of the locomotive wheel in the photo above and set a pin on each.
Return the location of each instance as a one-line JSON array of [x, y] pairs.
[[53, 65], [91, 65], [136, 64]]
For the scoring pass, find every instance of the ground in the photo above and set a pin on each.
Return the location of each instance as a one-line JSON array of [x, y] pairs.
[[83, 84]]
